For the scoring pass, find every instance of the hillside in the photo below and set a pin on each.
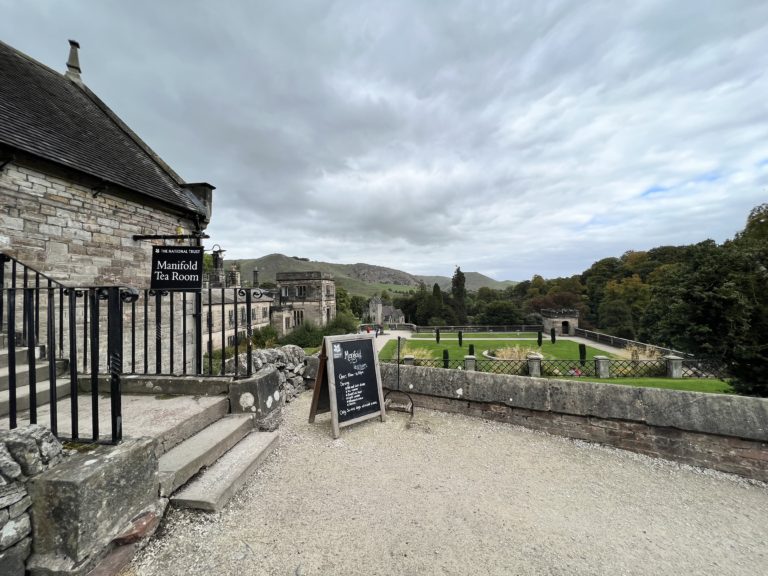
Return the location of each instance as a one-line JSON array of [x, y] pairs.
[[473, 282], [361, 279]]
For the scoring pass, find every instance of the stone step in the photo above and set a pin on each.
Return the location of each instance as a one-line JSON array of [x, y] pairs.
[[22, 374], [213, 487], [188, 427], [21, 356], [201, 450], [22, 395]]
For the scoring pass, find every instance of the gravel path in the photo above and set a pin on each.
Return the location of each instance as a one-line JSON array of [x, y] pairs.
[[451, 495]]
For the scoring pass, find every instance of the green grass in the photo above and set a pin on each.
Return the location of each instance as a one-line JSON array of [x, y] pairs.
[[711, 385], [560, 350], [471, 335]]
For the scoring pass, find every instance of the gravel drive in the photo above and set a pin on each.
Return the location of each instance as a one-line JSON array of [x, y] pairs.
[[447, 494]]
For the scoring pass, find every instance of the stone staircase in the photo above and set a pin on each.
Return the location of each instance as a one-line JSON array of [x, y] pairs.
[[203, 459], [206, 469], [22, 372]]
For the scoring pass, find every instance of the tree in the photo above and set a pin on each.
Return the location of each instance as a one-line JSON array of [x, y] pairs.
[[616, 318], [343, 301], [459, 295], [500, 313], [358, 305]]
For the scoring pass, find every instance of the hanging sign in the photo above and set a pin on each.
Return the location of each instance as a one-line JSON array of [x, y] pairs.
[[177, 268], [348, 382]]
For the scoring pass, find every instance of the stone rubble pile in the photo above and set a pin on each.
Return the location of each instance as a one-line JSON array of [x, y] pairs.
[[24, 453], [288, 360]]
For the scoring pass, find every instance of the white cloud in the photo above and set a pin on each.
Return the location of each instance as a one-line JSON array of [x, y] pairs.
[[510, 138]]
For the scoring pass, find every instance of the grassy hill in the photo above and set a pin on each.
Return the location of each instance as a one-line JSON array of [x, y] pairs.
[[361, 279]]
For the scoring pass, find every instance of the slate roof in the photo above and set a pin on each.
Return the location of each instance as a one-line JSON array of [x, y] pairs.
[[46, 114]]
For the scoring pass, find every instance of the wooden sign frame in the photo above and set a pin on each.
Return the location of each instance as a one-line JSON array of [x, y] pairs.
[[324, 398]]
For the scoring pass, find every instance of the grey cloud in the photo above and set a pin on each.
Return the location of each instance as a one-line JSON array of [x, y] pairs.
[[513, 137]]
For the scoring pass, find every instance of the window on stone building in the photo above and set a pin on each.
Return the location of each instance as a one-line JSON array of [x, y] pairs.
[[298, 317], [231, 318], [301, 291], [265, 312], [243, 315]]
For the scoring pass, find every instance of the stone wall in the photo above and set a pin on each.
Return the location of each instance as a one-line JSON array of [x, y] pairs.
[[724, 432], [24, 454], [288, 361], [57, 226]]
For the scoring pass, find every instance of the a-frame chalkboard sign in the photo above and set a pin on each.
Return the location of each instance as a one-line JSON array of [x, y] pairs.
[[348, 382]]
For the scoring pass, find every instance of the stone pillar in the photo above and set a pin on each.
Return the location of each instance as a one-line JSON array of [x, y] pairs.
[[534, 364], [602, 366], [674, 366], [408, 360], [470, 363]]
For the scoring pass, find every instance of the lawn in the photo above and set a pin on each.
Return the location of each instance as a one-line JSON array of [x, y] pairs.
[[711, 385], [560, 350], [471, 335], [563, 350]]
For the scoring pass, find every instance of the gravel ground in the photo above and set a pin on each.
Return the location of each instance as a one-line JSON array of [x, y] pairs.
[[447, 494]]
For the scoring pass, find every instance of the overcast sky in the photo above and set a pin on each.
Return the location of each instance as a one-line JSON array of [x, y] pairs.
[[509, 138]]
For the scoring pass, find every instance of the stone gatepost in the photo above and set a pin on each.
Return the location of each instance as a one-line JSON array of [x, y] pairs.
[[534, 364], [470, 363], [408, 360], [603, 366], [674, 366]]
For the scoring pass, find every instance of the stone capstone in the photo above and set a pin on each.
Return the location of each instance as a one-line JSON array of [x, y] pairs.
[[83, 503], [260, 396]]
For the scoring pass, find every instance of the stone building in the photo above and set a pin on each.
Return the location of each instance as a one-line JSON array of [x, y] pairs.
[[227, 321], [380, 313], [77, 184], [564, 321], [78, 188], [310, 295]]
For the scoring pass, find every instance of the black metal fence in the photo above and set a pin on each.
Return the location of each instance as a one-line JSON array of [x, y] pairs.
[[624, 343], [487, 328], [42, 345], [575, 368], [501, 366], [59, 344]]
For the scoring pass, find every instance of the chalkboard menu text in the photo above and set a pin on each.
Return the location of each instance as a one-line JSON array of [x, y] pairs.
[[348, 382]]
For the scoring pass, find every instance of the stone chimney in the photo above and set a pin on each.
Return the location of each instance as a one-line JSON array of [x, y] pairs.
[[73, 63]]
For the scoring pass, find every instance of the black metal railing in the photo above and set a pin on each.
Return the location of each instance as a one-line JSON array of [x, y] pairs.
[[42, 321], [502, 366], [625, 343], [637, 368], [704, 369], [571, 368]]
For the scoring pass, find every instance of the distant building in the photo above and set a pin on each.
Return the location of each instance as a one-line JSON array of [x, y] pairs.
[[311, 296], [381, 313], [226, 322], [563, 320]]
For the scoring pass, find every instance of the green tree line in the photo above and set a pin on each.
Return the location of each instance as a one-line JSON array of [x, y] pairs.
[[708, 299]]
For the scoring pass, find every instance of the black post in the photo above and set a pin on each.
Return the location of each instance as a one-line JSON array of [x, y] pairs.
[[398, 361], [12, 355], [446, 359], [73, 362], [52, 357], [158, 332], [582, 354], [115, 354], [198, 315], [249, 332], [93, 300], [553, 335], [29, 321]]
